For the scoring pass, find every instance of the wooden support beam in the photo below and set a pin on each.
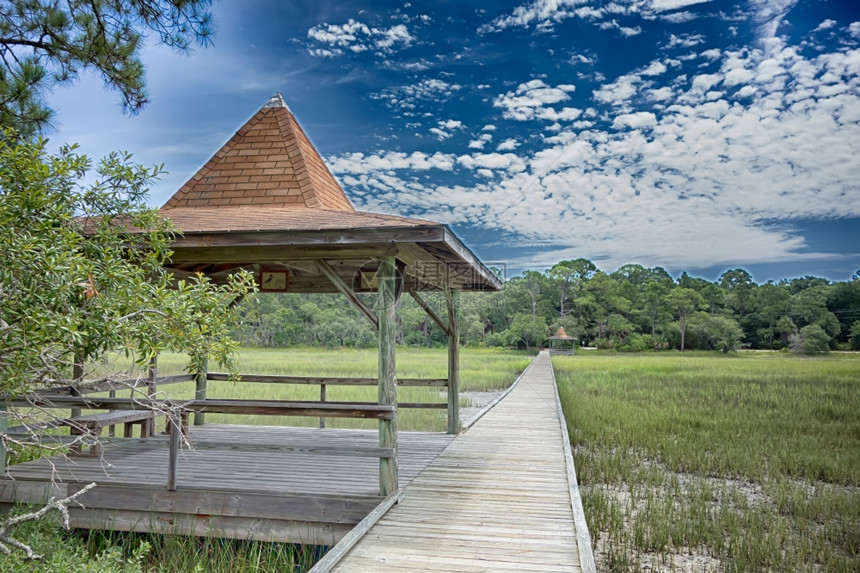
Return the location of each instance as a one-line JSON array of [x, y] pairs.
[[452, 299], [200, 391], [387, 373], [271, 254], [430, 312], [348, 292]]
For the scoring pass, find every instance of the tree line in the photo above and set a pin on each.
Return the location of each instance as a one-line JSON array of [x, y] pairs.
[[632, 309]]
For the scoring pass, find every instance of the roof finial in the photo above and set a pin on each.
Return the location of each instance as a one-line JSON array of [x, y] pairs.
[[276, 100]]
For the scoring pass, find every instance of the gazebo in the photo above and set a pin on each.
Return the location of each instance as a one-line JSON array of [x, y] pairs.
[[558, 341], [266, 202]]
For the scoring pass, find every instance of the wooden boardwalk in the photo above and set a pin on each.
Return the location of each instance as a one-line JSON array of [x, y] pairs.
[[497, 499], [248, 482]]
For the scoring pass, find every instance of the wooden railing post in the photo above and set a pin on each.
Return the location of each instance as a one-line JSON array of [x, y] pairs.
[[322, 399], [174, 425], [4, 425], [200, 391], [148, 428], [452, 298], [387, 373]]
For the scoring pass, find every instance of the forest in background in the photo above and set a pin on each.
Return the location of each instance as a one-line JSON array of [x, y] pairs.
[[632, 309]]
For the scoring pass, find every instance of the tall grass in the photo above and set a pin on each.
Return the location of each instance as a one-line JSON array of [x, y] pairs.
[[748, 462], [480, 370]]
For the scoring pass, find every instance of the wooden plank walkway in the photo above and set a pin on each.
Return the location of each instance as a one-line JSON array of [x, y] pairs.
[[497, 499], [232, 485]]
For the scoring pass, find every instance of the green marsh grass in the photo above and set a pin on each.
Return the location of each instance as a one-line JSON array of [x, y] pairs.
[[747, 462], [480, 370]]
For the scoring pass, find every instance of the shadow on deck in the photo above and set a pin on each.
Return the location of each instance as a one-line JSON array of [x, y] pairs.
[[245, 482]]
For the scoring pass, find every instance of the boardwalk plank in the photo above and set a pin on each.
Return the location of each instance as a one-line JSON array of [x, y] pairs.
[[497, 498]]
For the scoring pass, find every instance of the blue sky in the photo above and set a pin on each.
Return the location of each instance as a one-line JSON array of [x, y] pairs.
[[695, 135]]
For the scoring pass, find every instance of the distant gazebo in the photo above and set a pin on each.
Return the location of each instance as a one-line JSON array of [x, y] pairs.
[[558, 342]]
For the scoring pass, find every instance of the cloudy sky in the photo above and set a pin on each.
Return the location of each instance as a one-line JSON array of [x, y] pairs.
[[697, 135]]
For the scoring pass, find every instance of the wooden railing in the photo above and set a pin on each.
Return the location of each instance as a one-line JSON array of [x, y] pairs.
[[178, 413], [324, 382], [77, 399]]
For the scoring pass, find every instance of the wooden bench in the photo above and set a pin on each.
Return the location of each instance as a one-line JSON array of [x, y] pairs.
[[92, 424]]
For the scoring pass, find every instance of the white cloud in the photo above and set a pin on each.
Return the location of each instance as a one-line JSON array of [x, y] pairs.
[[854, 29], [770, 13], [480, 141], [679, 17], [685, 40], [355, 36], [508, 145], [405, 97], [541, 13], [625, 30], [655, 68], [770, 135], [533, 100], [443, 128], [825, 25], [544, 14], [666, 5], [636, 120], [361, 164]]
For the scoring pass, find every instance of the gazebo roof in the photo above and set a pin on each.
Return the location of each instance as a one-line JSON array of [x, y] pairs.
[[561, 335], [269, 162], [267, 199]]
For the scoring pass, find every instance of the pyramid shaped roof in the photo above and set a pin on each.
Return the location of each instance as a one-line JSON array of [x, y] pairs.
[[561, 335], [269, 162], [268, 198]]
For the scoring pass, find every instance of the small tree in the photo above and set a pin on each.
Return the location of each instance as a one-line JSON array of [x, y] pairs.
[[684, 301], [811, 340], [721, 333], [74, 285], [526, 329], [855, 335]]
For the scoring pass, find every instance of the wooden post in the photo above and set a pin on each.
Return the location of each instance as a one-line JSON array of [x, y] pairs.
[[387, 373], [4, 425], [175, 426], [77, 376], [452, 298], [322, 399], [200, 391], [148, 428]]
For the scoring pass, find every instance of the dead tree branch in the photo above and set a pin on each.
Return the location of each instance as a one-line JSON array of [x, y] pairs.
[[61, 505]]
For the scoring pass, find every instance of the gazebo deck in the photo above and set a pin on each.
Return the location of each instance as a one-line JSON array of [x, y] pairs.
[[269, 484]]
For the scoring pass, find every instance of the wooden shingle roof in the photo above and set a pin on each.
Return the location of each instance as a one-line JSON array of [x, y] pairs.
[[269, 162], [267, 199], [251, 218], [561, 335]]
